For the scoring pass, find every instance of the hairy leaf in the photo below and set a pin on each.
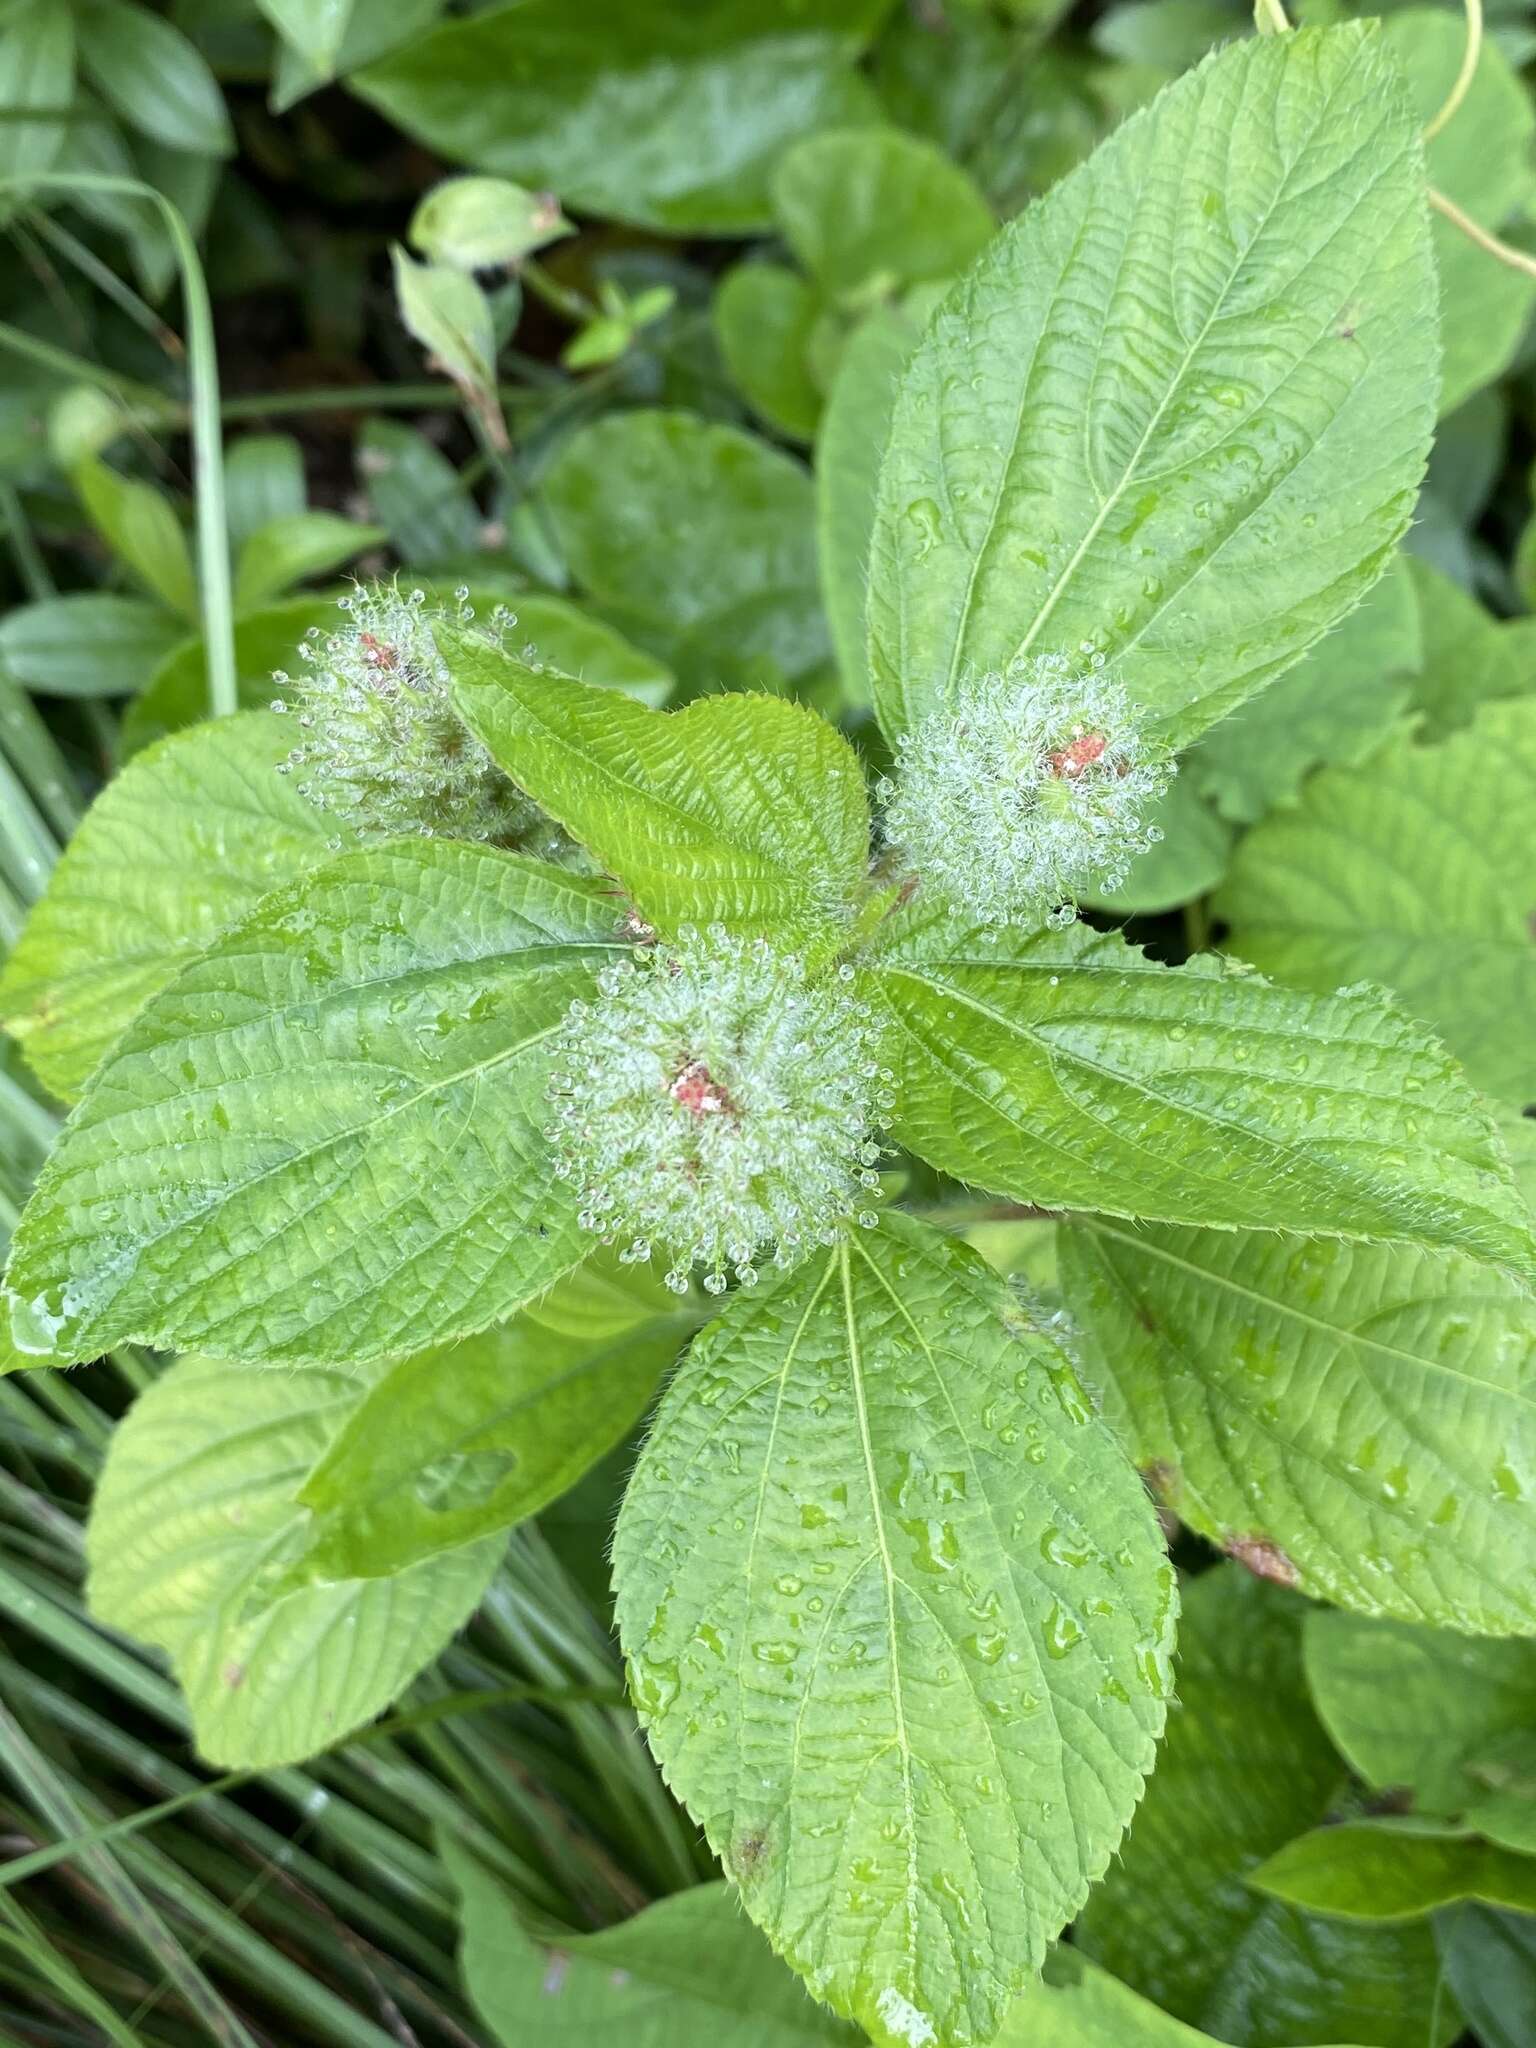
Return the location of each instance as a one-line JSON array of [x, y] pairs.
[[1180, 408], [1244, 1766], [1354, 1419], [897, 1619], [323, 1139], [1065, 1070], [1416, 870], [193, 1525], [180, 845], [750, 809]]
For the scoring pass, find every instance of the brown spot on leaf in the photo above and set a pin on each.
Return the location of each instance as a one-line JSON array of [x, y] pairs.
[[750, 1851], [1145, 1317], [233, 1676], [1264, 1559]]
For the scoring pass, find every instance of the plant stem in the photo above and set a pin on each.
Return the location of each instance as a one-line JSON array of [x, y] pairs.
[[1469, 57]]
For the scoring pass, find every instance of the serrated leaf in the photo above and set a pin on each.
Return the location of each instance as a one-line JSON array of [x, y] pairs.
[[694, 106], [697, 540], [1180, 408], [1355, 1419], [1064, 1069], [1338, 702], [1481, 161], [897, 1621], [765, 317], [464, 1439], [1243, 1766], [322, 1141], [177, 848], [747, 809], [690, 1967], [851, 441], [873, 207], [1394, 1870], [192, 1525], [1412, 1707], [1416, 870], [295, 546]]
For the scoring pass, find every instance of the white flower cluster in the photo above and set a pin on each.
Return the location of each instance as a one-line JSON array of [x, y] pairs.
[[714, 1101], [1029, 787], [383, 749]]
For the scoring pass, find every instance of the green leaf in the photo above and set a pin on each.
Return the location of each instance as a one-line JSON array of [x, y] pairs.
[[1416, 870], [897, 1620], [292, 548], [765, 317], [416, 494], [483, 223], [450, 316], [1490, 1964], [746, 809], [1414, 1707], [37, 69], [1187, 862], [140, 527], [1077, 2005], [464, 1439], [851, 441], [154, 76], [872, 207], [374, 28], [1394, 1870], [89, 644], [177, 848], [323, 1139], [694, 107], [1338, 702], [696, 540], [1243, 1767], [1468, 655], [263, 481], [1064, 1069], [314, 29], [689, 1968], [557, 634], [1353, 1419], [193, 1523], [1179, 410], [1481, 161], [265, 641]]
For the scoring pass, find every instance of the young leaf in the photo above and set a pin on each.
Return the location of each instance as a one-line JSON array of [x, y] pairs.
[[1065, 1070], [1416, 870], [1411, 1707], [697, 540], [139, 526], [897, 1619], [749, 809], [694, 106], [873, 207], [323, 1140], [174, 850], [1394, 1870], [468, 1438], [192, 1526], [690, 1967], [1352, 1419], [1244, 1767], [484, 223], [1179, 409]]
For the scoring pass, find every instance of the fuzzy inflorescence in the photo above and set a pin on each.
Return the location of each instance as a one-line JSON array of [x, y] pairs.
[[717, 1100], [1028, 788], [383, 749]]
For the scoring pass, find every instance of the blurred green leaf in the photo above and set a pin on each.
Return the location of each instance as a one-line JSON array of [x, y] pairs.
[[266, 641], [874, 206], [1394, 1870], [37, 69], [154, 76], [416, 494], [1490, 1964], [263, 481], [478, 223], [1467, 655], [559, 635], [142, 530], [88, 644], [295, 547], [314, 29], [764, 315]]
